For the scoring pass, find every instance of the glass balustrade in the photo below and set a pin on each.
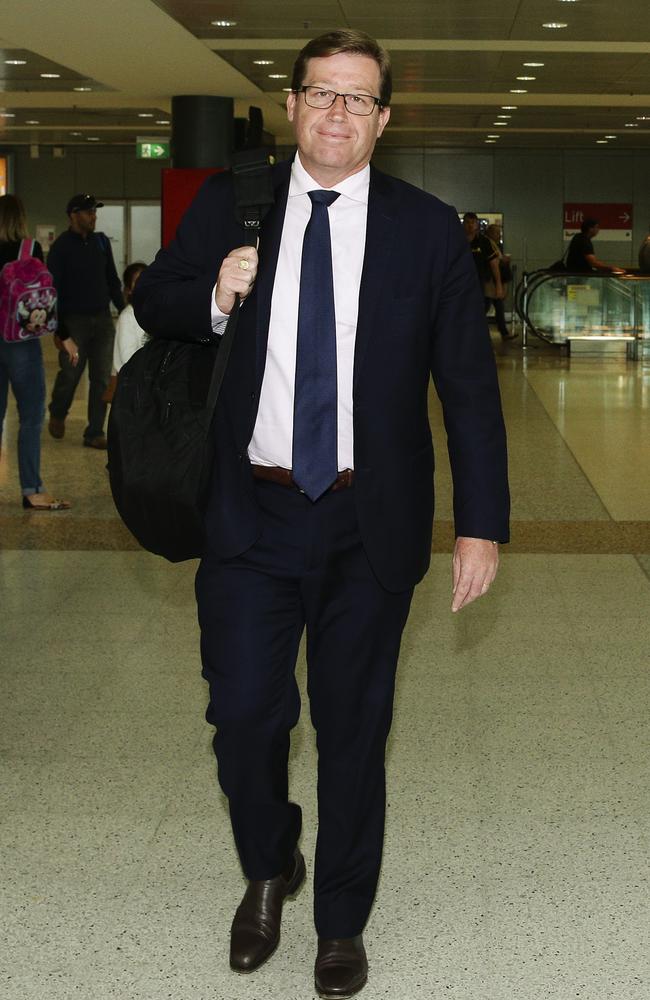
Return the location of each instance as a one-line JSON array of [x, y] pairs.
[[561, 308]]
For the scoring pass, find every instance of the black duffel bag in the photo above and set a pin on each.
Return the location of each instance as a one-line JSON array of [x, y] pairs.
[[161, 442], [160, 434]]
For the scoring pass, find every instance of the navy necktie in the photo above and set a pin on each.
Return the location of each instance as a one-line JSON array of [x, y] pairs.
[[314, 462]]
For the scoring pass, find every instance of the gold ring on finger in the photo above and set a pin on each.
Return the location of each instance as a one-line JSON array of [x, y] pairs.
[[243, 263]]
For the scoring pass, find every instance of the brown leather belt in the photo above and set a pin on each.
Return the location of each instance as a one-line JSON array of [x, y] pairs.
[[276, 474]]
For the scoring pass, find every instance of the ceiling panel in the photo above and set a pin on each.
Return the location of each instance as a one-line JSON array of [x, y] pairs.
[[22, 70], [455, 63]]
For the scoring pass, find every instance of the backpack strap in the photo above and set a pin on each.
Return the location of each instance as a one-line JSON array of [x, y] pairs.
[[26, 249]]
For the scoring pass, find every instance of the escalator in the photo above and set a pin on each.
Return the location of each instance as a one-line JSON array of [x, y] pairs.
[[561, 308]]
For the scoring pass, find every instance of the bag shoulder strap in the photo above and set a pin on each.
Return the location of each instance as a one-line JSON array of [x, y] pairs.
[[254, 196], [221, 361], [26, 249]]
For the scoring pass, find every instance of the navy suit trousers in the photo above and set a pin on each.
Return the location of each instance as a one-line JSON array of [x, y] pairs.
[[308, 570]]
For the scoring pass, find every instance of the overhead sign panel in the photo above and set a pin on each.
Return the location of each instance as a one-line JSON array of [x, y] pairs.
[[615, 219]]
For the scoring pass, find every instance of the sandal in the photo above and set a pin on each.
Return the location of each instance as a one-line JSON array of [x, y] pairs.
[[50, 503]]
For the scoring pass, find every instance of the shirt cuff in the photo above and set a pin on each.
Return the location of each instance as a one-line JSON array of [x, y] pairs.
[[218, 318]]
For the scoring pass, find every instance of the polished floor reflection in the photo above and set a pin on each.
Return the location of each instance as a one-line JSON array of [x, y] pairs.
[[516, 862]]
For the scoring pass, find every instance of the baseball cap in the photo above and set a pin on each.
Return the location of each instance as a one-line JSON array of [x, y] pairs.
[[82, 203]]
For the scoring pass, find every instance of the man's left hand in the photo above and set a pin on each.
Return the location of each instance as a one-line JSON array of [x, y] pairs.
[[474, 565]]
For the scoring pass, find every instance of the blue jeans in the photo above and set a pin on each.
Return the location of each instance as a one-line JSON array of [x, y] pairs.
[[21, 366]]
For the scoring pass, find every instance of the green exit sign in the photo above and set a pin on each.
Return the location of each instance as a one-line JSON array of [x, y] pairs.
[[152, 149]]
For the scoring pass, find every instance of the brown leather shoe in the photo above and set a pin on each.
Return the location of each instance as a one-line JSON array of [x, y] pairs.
[[341, 967], [56, 427], [97, 442], [255, 932]]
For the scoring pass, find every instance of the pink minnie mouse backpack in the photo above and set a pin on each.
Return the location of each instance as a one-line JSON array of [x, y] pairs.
[[27, 297]]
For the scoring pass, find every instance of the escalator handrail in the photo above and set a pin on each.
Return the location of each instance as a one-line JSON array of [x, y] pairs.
[[532, 280]]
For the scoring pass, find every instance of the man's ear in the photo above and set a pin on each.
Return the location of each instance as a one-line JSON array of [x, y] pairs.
[[382, 121], [291, 104]]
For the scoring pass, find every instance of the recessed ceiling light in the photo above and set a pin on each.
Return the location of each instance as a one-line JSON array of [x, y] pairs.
[[145, 114], [93, 138], [494, 137], [518, 91], [568, 1], [602, 142], [51, 76], [224, 24], [75, 133], [611, 137], [643, 118], [504, 116], [526, 77], [7, 114], [278, 76], [509, 107], [531, 64], [286, 90], [555, 24], [163, 121], [263, 62], [500, 124], [32, 121], [490, 142], [631, 125], [82, 90], [16, 62]]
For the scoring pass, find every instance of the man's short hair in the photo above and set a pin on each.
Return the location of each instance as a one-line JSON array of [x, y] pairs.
[[588, 224], [352, 42], [470, 215]]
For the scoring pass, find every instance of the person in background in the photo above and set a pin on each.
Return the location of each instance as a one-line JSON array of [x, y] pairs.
[[81, 263], [320, 510], [581, 258], [129, 335], [644, 256], [484, 255], [21, 367], [493, 234]]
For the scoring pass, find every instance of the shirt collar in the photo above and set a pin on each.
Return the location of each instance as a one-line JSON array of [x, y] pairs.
[[354, 187]]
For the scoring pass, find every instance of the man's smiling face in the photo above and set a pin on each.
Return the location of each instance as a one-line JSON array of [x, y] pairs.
[[333, 143]]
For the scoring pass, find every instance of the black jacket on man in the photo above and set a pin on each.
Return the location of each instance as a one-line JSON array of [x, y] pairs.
[[421, 314]]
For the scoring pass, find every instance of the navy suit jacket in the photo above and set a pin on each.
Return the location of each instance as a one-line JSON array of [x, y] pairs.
[[421, 313]]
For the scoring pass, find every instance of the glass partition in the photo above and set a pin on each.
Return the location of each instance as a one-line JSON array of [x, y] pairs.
[[561, 307]]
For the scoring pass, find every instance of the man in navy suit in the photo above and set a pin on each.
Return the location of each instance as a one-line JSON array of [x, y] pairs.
[[321, 506]]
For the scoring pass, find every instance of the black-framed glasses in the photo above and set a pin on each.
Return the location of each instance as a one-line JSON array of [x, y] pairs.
[[356, 104]]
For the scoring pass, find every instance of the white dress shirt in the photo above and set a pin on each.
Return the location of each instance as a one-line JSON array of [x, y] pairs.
[[272, 439]]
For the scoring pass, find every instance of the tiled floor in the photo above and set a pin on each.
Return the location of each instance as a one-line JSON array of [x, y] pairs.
[[516, 862]]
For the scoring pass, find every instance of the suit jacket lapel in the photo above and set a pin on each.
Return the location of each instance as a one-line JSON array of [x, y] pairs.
[[379, 249]]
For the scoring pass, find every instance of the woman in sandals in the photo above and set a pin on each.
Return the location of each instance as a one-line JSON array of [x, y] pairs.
[[21, 366]]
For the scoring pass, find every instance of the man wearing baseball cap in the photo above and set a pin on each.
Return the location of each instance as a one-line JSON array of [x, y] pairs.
[[81, 263]]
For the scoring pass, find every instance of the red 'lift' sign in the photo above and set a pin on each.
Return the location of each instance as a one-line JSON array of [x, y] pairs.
[[615, 219]]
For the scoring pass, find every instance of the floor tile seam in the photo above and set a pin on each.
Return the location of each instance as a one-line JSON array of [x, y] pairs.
[[566, 444], [644, 570], [583, 534]]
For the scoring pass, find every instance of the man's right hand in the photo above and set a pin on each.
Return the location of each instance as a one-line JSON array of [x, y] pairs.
[[71, 350], [68, 345], [236, 277]]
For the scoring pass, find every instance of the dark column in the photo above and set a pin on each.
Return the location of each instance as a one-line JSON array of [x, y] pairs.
[[202, 131]]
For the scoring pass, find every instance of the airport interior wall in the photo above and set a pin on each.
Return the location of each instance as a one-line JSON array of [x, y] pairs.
[[529, 186]]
